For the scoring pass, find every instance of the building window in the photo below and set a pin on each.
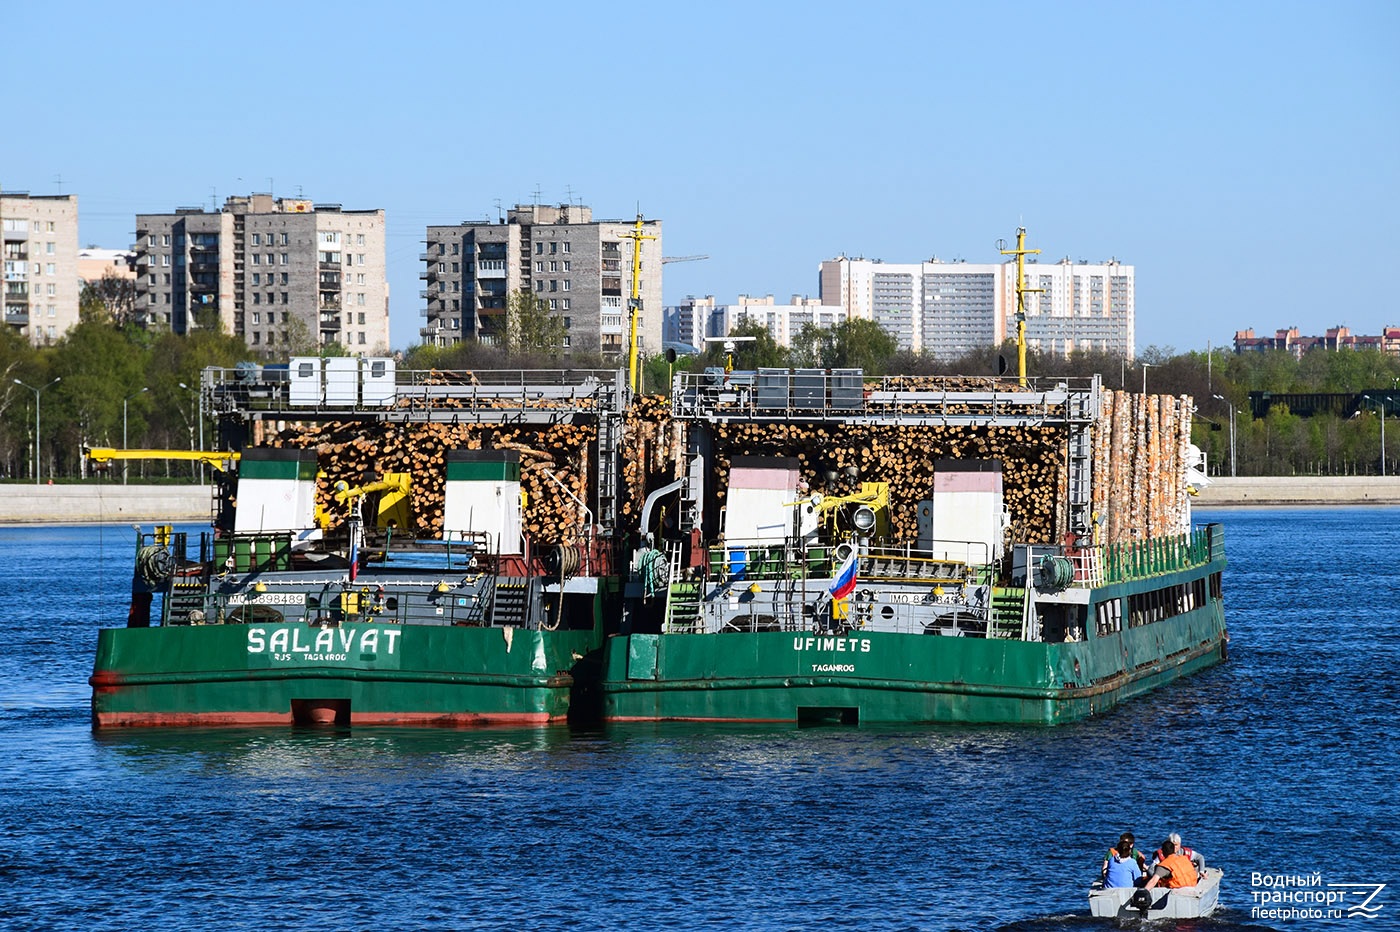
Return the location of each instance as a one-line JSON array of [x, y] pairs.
[[568, 322], [554, 284], [53, 310], [52, 290], [165, 239], [284, 258], [284, 278], [257, 278], [553, 248], [566, 245], [329, 236], [362, 338], [359, 239], [257, 316], [539, 249], [554, 304], [284, 297], [554, 266], [360, 299], [165, 260], [564, 303], [257, 298], [456, 267], [566, 284], [257, 239], [362, 314], [567, 265], [270, 259], [539, 266], [454, 248], [539, 284], [284, 239], [257, 259], [151, 240]]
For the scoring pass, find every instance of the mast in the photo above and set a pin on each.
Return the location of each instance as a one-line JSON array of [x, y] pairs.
[[634, 305], [1020, 252]]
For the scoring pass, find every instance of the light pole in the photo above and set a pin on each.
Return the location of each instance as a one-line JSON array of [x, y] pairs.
[[1383, 403], [1232, 432], [1145, 367], [37, 392], [124, 401], [200, 396]]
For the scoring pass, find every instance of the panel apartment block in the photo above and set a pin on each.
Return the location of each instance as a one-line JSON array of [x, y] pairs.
[[581, 267], [947, 309], [281, 273], [40, 244]]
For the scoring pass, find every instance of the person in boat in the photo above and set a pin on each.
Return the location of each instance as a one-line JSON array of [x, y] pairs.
[[1197, 859], [1172, 870], [1122, 867]]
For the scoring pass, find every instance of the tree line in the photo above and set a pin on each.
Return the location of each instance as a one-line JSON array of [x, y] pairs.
[[108, 382]]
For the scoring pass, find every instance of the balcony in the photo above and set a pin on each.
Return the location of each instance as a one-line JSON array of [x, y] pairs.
[[330, 321], [491, 268], [329, 303], [17, 318]]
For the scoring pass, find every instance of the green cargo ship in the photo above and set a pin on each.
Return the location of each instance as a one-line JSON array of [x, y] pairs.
[[917, 550], [292, 611]]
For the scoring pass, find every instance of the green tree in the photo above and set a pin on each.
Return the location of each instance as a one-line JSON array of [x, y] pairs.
[[531, 328], [851, 344]]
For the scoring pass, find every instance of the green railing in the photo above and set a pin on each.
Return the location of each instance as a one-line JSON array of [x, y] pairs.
[[1142, 558]]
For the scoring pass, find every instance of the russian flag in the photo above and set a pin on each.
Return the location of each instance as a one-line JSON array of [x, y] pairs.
[[845, 582], [354, 555]]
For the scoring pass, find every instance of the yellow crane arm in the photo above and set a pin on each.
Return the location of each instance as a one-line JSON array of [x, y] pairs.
[[392, 482], [219, 459]]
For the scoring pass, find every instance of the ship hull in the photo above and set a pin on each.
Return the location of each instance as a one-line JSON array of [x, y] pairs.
[[352, 674], [884, 677]]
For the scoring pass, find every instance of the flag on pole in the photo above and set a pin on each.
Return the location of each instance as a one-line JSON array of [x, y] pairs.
[[845, 582], [354, 555]]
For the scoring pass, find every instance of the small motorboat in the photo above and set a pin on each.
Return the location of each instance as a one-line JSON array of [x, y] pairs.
[[1159, 902]]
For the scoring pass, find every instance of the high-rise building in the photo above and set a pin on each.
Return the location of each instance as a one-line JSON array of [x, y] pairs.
[[581, 267], [282, 273], [947, 309], [40, 243], [695, 319]]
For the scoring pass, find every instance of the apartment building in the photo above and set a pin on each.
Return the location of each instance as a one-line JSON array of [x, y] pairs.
[[581, 267], [947, 309], [695, 319], [1292, 341], [39, 236], [282, 273]]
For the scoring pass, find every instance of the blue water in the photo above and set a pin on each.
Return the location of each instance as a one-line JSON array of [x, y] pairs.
[[1283, 760]]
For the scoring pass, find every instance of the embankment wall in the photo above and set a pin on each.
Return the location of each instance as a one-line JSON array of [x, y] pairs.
[[79, 504], [1300, 490]]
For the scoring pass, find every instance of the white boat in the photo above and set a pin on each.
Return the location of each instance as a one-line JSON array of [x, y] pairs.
[[1159, 902]]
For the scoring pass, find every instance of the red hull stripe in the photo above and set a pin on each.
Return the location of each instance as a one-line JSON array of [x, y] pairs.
[[442, 719]]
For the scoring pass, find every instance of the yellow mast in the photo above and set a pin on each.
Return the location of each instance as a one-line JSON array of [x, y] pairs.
[[1020, 252], [634, 306]]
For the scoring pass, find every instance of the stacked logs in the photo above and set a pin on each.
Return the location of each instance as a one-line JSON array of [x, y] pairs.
[[357, 452], [1032, 459], [1141, 445]]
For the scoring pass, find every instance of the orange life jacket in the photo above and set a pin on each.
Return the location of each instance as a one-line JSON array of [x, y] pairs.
[[1183, 871]]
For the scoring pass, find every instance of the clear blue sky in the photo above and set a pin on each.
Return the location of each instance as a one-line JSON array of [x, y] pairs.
[[1244, 157]]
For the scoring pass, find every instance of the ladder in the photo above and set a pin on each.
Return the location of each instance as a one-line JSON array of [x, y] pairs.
[[1007, 613], [682, 596], [513, 600], [610, 425]]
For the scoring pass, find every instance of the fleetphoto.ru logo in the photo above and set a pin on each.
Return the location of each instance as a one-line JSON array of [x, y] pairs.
[[1306, 896]]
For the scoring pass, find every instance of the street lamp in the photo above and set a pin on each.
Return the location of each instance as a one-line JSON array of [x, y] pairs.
[[1382, 430], [37, 392], [200, 396], [1145, 367], [1232, 432], [124, 401]]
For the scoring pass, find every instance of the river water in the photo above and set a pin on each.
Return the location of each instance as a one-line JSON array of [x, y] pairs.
[[1281, 762]]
